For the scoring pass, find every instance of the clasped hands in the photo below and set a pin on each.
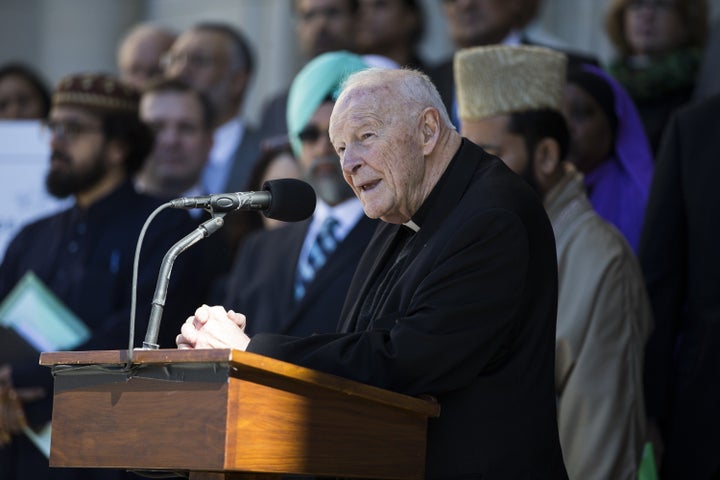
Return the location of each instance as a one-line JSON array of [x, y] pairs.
[[213, 327]]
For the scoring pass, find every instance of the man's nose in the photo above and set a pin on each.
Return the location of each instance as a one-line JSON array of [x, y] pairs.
[[167, 136], [350, 162]]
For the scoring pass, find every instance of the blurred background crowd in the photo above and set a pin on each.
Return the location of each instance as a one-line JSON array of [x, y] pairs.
[[227, 94]]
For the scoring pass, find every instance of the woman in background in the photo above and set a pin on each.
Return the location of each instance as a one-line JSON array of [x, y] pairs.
[[23, 93], [609, 146], [660, 46]]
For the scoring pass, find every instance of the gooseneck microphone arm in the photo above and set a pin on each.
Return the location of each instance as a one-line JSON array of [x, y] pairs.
[[286, 199], [206, 229]]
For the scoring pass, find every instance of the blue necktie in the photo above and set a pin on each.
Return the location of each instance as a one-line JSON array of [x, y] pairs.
[[325, 243]]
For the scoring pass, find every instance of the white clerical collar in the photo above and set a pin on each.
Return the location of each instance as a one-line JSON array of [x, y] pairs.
[[412, 226]]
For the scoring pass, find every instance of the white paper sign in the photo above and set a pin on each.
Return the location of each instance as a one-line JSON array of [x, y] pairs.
[[24, 160]]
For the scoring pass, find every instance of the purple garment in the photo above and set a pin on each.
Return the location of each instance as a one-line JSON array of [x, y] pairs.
[[619, 186]]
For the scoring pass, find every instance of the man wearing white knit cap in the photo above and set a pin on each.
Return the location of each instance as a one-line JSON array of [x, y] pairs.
[[509, 103]]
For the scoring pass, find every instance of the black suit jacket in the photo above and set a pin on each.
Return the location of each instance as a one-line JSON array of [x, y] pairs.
[[680, 257], [471, 321], [263, 280]]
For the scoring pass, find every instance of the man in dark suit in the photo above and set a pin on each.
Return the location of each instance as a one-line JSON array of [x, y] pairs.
[[680, 260], [84, 254], [267, 281], [217, 60], [455, 296]]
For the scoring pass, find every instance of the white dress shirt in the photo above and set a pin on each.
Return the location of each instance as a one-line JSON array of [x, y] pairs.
[[347, 213], [226, 139]]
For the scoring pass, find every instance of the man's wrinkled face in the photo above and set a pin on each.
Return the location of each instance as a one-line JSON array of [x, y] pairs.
[[380, 152], [78, 151], [319, 160], [182, 140]]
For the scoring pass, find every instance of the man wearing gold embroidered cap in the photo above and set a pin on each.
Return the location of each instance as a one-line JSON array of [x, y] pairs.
[[84, 255], [509, 102]]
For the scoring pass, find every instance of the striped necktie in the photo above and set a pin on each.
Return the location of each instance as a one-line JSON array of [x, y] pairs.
[[324, 244]]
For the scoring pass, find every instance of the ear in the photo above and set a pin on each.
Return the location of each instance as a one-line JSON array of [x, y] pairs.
[[546, 157], [429, 129]]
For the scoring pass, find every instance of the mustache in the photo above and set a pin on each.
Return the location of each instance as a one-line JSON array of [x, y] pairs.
[[60, 157], [325, 162]]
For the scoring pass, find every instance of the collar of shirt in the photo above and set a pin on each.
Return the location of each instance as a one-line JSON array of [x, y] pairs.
[[107, 205], [513, 38], [347, 214]]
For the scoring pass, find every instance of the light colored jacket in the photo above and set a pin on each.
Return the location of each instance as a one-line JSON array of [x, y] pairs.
[[603, 321]]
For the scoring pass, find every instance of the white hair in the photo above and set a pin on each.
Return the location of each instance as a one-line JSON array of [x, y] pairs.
[[414, 88]]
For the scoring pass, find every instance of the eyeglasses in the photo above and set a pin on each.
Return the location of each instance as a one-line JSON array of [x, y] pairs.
[[70, 130], [329, 13], [659, 5], [311, 133], [193, 60]]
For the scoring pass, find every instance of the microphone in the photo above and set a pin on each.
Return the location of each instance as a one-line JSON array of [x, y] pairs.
[[285, 199]]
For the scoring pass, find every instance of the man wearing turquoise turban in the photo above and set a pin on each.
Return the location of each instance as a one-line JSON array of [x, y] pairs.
[[319, 80], [313, 90], [293, 280]]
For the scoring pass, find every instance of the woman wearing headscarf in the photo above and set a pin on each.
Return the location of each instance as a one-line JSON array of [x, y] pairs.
[[609, 146]]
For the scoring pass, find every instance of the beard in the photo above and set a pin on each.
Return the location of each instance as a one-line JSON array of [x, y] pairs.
[[325, 176], [63, 181]]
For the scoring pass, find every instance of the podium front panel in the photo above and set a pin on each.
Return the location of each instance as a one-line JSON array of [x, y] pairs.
[[230, 412]]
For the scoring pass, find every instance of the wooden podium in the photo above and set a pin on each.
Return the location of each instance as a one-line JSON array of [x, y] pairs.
[[225, 414]]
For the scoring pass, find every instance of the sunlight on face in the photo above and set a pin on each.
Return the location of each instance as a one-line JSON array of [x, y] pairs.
[[380, 152], [492, 135]]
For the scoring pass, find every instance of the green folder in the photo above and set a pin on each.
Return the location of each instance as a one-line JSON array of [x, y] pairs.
[[33, 312]]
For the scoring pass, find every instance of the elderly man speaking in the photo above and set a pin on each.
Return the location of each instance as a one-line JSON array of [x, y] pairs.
[[455, 295]]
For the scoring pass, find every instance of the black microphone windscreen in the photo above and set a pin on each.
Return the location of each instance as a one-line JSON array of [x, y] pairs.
[[292, 200]]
